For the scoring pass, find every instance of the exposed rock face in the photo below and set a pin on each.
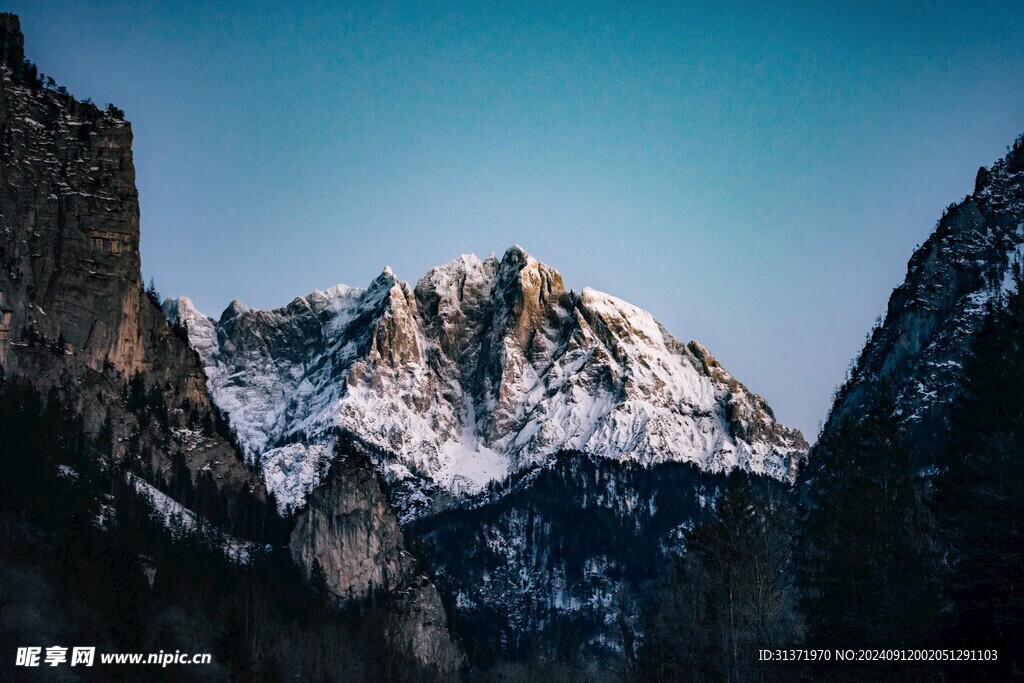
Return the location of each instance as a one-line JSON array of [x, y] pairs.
[[71, 233], [73, 312], [933, 316], [419, 625], [349, 536], [349, 539], [484, 369]]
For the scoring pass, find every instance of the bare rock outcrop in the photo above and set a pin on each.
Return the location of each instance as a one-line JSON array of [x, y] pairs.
[[348, 542], [347, 537]]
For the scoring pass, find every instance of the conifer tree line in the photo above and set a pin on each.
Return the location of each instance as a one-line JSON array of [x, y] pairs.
[[877, 546]]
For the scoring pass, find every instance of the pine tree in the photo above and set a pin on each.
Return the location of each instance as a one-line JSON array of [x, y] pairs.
[[152, 293], [730, 593], [866, 560], [979, 489]]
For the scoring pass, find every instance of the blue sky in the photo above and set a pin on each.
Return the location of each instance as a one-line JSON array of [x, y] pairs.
[[755, 176]]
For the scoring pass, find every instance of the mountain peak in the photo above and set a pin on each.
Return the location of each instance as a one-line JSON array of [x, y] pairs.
[[178, 309], [385, 280], [517, 263], [517, 257], [234, 309]]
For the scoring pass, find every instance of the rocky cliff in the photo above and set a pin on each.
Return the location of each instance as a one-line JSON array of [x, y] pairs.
[[347, 540], [933, 316], [73, 312]]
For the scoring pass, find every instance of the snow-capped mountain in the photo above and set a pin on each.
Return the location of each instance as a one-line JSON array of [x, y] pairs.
[[484, 368]]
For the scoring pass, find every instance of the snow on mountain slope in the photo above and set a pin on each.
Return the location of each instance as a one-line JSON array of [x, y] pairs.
[[180, 521], [485, 368]]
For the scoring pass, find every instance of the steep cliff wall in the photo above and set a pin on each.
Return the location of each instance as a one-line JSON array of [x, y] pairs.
[[348, 540], [73, 312], [933, 317]]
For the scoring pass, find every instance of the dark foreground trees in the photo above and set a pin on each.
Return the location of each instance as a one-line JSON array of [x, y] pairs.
[[867, 560], [900, 549], [979, 491], [83, 562], [730, 593]]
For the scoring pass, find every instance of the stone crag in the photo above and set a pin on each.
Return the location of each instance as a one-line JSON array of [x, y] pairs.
[[348, 540], [933, 316]]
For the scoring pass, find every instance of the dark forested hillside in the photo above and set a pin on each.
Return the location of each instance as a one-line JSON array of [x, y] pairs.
[[85, 560], [867, 556], [536, 570], [730, 593], [911, 502], [978, 500]]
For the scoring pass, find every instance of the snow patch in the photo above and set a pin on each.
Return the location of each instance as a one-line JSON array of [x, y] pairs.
[[182, 522]]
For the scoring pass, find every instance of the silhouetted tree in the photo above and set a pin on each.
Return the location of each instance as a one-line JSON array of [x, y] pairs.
[[152, 292], [731, 591], [979, 489], [867, 562]]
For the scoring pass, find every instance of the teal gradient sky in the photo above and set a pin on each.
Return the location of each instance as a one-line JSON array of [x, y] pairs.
[[757, 177]]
